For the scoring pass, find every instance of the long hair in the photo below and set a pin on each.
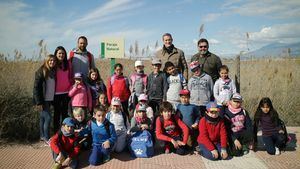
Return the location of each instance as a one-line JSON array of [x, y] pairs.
[[46, 68], [95, 70], [64, 64], [273, 113]]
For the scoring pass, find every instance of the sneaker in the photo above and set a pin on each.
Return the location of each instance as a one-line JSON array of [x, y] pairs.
[[56, 166], [47, 142], [245, 152], [167, 151], [277, 151], [106, 158]]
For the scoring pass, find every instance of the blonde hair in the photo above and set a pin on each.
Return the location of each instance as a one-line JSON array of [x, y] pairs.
[[78, 111], [46, 67]]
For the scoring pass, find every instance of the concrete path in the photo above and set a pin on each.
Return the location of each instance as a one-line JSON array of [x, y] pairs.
[[37, 156]]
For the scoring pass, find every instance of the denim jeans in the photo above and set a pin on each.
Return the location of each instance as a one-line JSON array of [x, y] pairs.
[[272, 141], [45, 119], [98, 154]]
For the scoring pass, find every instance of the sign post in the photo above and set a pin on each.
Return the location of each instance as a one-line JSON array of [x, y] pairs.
[[112, 48]]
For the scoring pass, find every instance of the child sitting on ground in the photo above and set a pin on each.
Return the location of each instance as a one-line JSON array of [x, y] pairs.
[[104, 137], [141, 122], [171, 132], [117, 117], [213, 136], [239, 126], [190, 115], [81, 127], [65, 145], [143, 101]]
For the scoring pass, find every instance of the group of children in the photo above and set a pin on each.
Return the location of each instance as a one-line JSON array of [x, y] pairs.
[[162, 109]]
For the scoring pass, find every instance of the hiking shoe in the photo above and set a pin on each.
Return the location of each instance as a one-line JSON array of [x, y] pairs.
[[277, 151], [56, 166], [106, 158]]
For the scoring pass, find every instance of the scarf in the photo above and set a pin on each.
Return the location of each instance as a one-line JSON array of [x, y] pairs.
[[65, 133], [212, 120], [168, 49], [226, 81], [233, 110], [141, 120]]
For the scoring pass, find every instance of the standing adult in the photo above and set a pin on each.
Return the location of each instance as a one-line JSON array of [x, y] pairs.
[[211, 63], [170, 53], [43, 94], [63, 83], [81, 59]]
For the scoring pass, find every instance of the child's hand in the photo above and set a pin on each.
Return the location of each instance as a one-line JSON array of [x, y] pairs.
[[60, 158], [180, 143], [237, 144], [106, 144], [224, 155], [215, 154], [281, 131], [67, 162], [195, 126], [175, 144]]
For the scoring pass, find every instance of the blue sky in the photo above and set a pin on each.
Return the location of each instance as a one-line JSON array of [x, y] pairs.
[[25, 23]]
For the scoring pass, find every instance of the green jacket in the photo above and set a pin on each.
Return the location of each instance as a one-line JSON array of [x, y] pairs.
[[176, 57], [211, 64]]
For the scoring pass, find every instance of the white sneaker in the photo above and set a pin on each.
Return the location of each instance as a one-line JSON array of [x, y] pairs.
[[277, 151]]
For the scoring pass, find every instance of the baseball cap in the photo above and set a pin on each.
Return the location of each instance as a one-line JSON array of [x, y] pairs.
[[78, 75], [69, 122], [212, 106], [156, 61], [138, 63], [184, 92], [237, 97], [143, 97], [115, 101], [194, 65]]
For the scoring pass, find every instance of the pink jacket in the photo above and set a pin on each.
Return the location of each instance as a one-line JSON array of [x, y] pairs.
[[81, 96]]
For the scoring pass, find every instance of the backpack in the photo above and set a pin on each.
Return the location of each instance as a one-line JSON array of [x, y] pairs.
[[141, 145], [133, 79], [284, 137], [124, 118], [89, 55], [112, 80]]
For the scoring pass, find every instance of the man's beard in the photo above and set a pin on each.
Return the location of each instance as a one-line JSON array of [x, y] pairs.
[[203, 52]]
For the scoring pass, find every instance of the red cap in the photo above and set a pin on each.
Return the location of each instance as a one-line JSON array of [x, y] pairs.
[[184, 92]]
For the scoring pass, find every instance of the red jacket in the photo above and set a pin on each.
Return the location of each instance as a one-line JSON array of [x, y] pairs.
[[66, 144], [211, 134], [166, 135], [118, 86]]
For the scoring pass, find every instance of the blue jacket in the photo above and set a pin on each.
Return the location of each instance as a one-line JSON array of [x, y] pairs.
[[100, 134]]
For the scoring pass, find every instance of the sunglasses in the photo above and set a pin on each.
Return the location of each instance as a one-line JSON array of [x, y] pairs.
[[202, 46]]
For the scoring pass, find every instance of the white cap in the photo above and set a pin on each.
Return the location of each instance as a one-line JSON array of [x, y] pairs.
[[138, 63]]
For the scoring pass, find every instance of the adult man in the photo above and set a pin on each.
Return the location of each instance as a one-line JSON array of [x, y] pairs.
[[81, 59], [170, 53], [211, 63]]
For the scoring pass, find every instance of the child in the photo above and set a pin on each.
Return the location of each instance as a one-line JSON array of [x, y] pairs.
[[175, 82], [273, 133], [138, 81], [65, 146], [80, 94], [43, 94], [118, 86], [200, 86], [143, 101], [213, 137], [117, 117], [103, 101], [140, 122], [169, 130], [156, 86], [96, 84], [190, 115], [224, 87], [239, 126], [81, 126], [104, 137]]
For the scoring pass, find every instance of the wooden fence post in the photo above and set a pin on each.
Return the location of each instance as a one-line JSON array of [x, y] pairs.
[[238, 73]]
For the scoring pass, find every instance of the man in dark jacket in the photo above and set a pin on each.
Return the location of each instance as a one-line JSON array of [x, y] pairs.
[[211, 63]]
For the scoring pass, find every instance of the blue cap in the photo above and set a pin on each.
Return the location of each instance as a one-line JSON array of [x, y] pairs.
[[69, 122], [212, 106]]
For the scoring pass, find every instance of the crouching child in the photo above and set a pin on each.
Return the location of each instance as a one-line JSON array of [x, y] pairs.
[[171, 132], [65, 145], [213, 137], [103, 135]]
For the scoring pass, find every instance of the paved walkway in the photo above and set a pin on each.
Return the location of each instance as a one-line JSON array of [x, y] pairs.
[[37, 156]]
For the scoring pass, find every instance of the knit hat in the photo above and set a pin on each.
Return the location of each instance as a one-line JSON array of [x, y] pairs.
[[69, 122], [184, 92], [142, 107], [194, 65], [212, 106], [78, 75], [143, 97], [115, 101], [138, 63], [156, 61], [237, 97]]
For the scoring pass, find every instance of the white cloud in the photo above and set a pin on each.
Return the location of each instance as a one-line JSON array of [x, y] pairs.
[[287, 33], [213, 41], [211, 17]]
